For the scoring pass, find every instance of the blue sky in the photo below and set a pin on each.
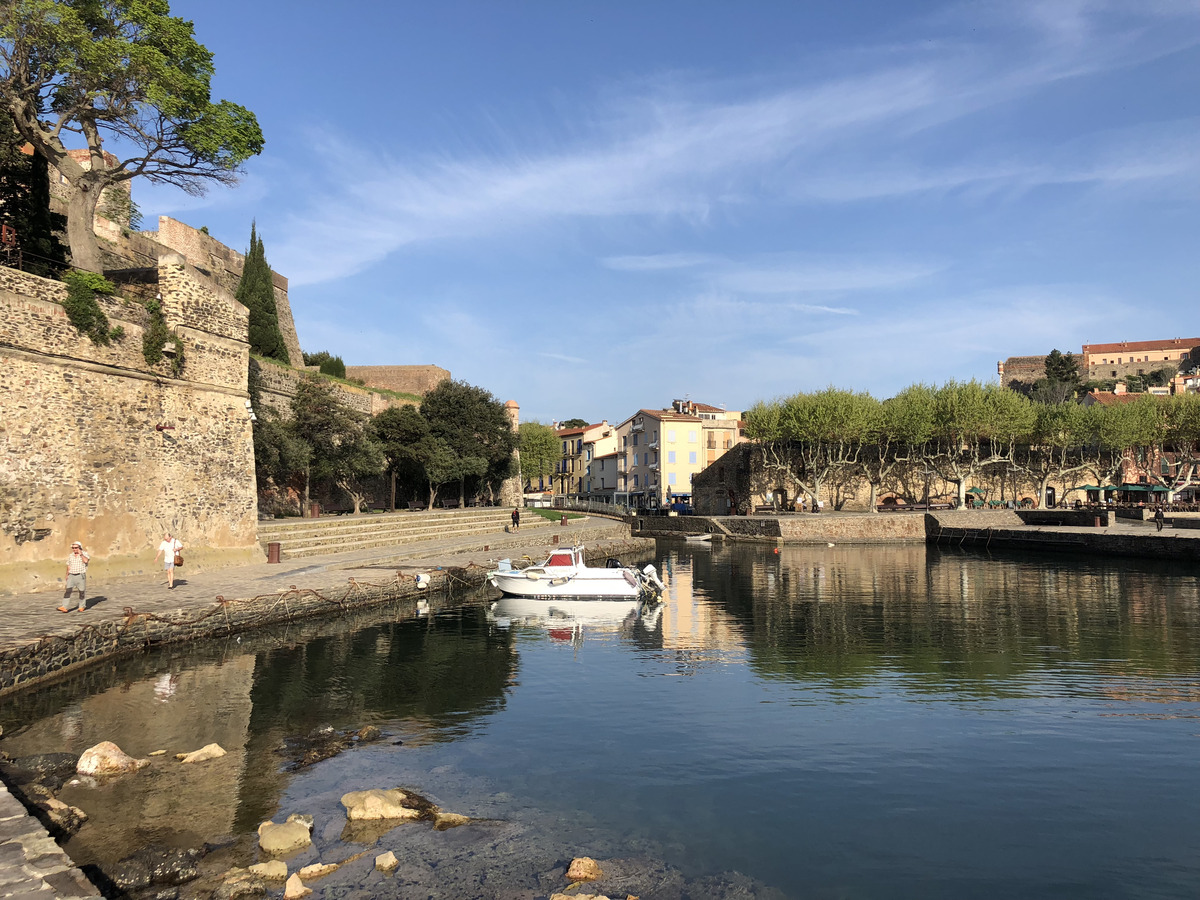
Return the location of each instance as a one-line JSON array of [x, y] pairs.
[[595, 207]]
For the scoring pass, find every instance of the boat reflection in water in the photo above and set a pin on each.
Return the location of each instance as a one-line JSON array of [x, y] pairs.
[[565, 619]]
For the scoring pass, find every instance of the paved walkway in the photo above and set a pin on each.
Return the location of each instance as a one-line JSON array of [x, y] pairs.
[[27, 617]]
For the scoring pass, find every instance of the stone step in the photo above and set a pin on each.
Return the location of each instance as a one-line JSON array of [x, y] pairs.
[[311, 542], [367, 528], [284, 527]]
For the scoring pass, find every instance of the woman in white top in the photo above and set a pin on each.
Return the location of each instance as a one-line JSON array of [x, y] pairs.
[[167, 550]]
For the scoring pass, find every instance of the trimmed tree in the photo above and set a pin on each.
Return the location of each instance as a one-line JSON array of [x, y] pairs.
[[256, 292], [539, 450], [475, 426]]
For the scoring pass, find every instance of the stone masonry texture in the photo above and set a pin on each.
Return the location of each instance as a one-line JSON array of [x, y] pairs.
[[104, 449]]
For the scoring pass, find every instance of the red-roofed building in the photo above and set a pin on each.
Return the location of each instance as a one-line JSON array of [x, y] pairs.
[[1105, 361], [579, 447]]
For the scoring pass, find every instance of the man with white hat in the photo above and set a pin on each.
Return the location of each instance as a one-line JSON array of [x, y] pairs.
[[77, 564]]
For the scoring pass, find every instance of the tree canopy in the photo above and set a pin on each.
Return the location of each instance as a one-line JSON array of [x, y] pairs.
[[539, 450], [475, 426], [123, 77]]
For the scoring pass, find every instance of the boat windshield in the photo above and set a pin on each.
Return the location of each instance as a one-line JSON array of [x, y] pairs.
[[563, 558]]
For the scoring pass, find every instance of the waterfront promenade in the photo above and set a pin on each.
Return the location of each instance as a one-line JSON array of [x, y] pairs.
[[28, 617]]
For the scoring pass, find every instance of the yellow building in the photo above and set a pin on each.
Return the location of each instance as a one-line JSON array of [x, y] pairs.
[[660, 451]]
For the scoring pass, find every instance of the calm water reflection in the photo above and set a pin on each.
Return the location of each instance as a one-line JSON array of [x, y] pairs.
[[832, 722]]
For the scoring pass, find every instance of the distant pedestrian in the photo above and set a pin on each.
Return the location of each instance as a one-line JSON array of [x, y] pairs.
[[1158, 518], [77, 564], [168, 550], [516, 518]]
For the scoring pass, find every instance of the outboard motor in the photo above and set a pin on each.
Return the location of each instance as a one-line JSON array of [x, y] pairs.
[[652, 576]]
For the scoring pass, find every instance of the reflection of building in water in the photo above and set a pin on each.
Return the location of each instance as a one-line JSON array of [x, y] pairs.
[[173, 712], [690, 621]]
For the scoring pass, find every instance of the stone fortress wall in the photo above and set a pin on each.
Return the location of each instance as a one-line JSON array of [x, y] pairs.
[[418, 380], [104, 449], [224, 266]]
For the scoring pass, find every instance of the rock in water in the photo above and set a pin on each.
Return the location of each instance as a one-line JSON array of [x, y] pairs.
[[377, 804], [584, 868], [293, 834], [295, 889], [387, 862], [106, 758], [317, 870], [274, 870], [445, 820], [205, 753]]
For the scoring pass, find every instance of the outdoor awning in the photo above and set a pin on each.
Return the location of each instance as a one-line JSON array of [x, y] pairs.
[[976, 490]]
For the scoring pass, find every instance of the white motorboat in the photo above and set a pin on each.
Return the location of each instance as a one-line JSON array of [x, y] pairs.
[[566, 576]]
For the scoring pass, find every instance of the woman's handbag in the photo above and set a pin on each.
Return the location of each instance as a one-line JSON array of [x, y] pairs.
[[178, 559]]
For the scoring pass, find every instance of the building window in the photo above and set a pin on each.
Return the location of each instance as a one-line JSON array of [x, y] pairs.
[[670, 456], [692, 436], [720, 474], [635, 437], [670, 435], [635, 481], [635, 459], [692, 457], [670, 478]]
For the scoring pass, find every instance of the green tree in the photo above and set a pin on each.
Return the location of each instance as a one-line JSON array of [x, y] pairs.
[[474, 425], [124, 70], [574, 423], [25, 205], [403, 436], [326, 363], [1062, 367], [539, 450], [341, 449], [256, 292]]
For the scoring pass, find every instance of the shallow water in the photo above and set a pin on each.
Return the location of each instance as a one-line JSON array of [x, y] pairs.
[[828, 722]]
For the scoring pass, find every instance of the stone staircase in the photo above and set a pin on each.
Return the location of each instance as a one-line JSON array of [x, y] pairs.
[[299, 538]]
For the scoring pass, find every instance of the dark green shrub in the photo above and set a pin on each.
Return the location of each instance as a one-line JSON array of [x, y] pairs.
[[156, 336], [83, 310]]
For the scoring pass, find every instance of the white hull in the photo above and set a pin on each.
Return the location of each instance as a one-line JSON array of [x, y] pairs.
[[598, 584]]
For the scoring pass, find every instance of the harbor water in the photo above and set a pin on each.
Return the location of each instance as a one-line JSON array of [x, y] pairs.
[[807, 722]]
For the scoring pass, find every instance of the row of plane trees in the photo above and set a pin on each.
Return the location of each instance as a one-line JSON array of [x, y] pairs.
[[963, 432]]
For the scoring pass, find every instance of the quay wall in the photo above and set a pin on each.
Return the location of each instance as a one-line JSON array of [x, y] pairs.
[[102, 448], [53, 656], [819, 528]]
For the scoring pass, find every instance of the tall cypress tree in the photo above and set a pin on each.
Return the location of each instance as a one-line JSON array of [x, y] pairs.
[[25, 205], [257, 293]]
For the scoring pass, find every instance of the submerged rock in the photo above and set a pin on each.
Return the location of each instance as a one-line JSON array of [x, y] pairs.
[[444, 821], [293, 834], [205, 753], [317, 870], [274, 870], [239, 884], [106, 758], [324, 743]]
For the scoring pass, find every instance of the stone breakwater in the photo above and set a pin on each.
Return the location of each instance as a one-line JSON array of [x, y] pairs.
[[57, 655]]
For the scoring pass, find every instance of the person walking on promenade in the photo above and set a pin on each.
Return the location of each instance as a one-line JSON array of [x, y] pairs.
[[1158, 518], [168, 549], [77, 564], [516, 518]]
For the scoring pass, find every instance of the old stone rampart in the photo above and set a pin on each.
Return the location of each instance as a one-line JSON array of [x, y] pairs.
[[277, 386], [102, 448], [419, 380], [793, 529], [224, 266]]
